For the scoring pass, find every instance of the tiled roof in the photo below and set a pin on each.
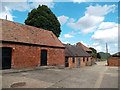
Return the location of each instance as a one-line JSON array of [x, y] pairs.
[[72, 50], [116, 54], [84, 47], [16, 32]]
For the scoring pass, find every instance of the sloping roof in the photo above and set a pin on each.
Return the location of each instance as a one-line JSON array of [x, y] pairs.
[[116, 54], [84, 47], [16, 32], [72, 50]]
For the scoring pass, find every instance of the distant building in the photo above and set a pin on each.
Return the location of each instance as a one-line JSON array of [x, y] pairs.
[[75, 56], [27, 46], [114, 60]]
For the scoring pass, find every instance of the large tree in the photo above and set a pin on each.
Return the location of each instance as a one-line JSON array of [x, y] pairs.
[[94, 52], [44, 18]]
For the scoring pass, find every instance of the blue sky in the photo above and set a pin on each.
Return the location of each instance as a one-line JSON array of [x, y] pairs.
[[91, 23]]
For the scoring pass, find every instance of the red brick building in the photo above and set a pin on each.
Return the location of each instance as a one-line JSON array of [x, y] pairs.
[[75, 56], [114, 60], [27, 46]]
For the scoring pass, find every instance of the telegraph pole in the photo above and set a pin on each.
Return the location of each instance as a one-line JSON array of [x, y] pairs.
[[107, 53], [6, 17], [106, 48]]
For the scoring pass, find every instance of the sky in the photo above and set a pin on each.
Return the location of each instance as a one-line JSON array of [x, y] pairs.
[[92, 23]]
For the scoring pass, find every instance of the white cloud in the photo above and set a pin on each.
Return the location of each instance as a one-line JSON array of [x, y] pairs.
[[35, 4], [93, 17], [86, 24], [107, 25], [68, 36], [71, 20], [63, 19], [84, 43], [6, 12], [95, 44], [100, 10], [99, 48], [66, 42], [109, 34], [79, 1], [21, 6]]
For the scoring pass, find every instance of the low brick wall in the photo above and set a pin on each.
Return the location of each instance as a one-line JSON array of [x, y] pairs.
[[114, 61]]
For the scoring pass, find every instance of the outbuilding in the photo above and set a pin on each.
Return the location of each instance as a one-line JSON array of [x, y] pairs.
[[27, 46], [75, 56], [114, 60]]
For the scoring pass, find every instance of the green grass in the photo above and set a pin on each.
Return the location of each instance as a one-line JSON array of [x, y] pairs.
[[103, 59]]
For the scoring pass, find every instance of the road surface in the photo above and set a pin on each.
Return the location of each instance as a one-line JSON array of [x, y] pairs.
[[96, 76]]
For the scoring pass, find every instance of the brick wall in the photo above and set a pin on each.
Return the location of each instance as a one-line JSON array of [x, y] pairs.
[[30, 56], [114, 61], [82, 63]]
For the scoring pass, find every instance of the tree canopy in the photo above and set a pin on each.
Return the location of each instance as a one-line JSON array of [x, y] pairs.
[[44, 18], [94, 52]]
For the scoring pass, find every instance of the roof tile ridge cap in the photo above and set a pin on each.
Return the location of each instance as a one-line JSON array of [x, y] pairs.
[[25, 25]]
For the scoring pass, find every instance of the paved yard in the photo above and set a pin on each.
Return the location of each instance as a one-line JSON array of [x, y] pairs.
[[96, 76]]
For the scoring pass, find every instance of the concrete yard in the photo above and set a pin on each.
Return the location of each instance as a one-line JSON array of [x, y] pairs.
[[96, 76]]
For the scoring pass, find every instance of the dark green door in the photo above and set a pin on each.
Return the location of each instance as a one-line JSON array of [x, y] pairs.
[[66, 62], [6, 57], [43, 57]]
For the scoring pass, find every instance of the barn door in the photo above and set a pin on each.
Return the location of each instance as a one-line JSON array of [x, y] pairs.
[[6, 57], [79, 62], [66, 62], [43, 57]]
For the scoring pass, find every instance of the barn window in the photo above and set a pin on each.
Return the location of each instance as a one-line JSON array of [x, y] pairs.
[[73, 59], [83, 59]]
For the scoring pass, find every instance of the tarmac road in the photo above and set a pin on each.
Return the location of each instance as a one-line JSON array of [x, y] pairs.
[[96, 76]]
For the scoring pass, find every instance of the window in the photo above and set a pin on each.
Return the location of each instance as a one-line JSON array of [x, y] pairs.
[[83, 59], [87, 58], [73, 59]]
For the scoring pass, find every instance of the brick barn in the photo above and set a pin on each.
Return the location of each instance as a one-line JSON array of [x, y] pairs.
[[114, 60], [27, 46], [75, 56]]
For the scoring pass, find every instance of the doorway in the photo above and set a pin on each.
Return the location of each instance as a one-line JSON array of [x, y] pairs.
[[79, 62], [6, 57], [66, 62], [43, 57]]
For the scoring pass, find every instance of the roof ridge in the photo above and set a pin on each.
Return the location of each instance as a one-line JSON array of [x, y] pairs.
[[25, 25]]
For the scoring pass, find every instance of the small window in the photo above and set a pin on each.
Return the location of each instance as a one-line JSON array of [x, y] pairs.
[[73, 59], [87, 58], [83, 59]]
